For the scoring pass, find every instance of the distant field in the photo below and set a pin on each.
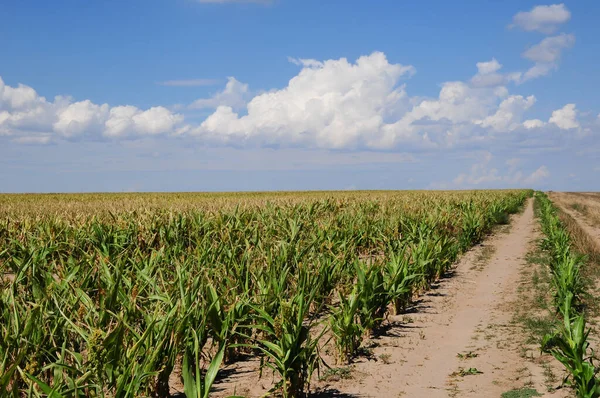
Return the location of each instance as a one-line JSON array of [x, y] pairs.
[[146, 294], [69, 205]]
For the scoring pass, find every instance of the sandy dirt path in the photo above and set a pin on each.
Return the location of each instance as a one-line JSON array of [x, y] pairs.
[[471, 312]]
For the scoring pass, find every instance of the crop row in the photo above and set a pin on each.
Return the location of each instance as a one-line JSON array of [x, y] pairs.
[[569, 343], [112, 305]]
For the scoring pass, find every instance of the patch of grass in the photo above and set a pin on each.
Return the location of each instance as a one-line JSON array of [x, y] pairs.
[[366, 352], [466, 372], [337, 374], [467, 355], [539, 326], [385, 358], [549, 375], [521, 393]]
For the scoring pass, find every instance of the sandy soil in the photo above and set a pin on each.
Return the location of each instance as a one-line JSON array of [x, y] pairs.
[[471, 313]]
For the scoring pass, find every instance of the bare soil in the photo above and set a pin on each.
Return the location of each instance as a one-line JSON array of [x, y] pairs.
[[461, 339]]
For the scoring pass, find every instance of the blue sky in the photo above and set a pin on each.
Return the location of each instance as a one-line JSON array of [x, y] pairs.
[[197, 95]]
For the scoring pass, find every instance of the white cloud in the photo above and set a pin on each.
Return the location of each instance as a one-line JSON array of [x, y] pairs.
[[234, 95], [546, 55], [330, 104], [509, 113], [565, 118], [544, 18], [120, 120], [550, 48], [80, 117], [22, 109], [128, 120], [533, 124], [458, 103], [538, 175], [485, 68], [188, 83], [156, 120], [18, 97], [537, 70], [488, 76], [30, 118], [340, 104]]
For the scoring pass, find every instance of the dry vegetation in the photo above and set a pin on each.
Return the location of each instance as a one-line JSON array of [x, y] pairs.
[[585, 204]]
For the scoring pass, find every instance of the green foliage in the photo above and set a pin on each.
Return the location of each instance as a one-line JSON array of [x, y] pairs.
[[569, 343], [521, 393], [106, 295], [345, 326], [287, 344]]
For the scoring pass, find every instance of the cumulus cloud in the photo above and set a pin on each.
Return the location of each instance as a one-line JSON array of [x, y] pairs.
[[339, 104], [543, 18], [565, 118], [488, 75], [333, 103], [234, 95], [485, 68], [29, 118], [329, 104], [533, 124], [126, 120], [509, 113], [80, 117], [488, 79]]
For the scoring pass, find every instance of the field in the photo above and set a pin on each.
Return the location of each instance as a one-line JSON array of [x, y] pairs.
[[127, 295]]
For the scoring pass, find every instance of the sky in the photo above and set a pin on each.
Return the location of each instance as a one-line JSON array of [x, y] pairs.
[[252, 95]]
